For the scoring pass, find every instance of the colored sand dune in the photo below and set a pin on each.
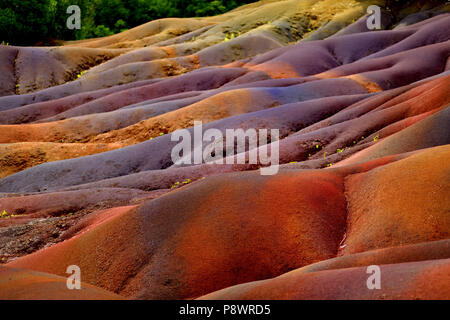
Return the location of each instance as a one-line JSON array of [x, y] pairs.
[[87, 176]]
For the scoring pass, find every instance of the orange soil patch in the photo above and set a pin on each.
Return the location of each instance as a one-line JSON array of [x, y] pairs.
[[370, 86], [19, 284], [276, 70], [404, 202], [15, 157], [170, 248], [217, 107], [413, 280]]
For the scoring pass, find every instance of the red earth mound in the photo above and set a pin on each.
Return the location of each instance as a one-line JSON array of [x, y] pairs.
[[87, 175], [18, 284], [222, 236], [413, 280]]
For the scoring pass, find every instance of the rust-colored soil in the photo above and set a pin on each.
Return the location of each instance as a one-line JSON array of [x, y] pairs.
[[87, 175]]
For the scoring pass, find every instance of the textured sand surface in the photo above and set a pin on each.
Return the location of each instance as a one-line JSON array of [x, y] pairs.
[[87, 178]]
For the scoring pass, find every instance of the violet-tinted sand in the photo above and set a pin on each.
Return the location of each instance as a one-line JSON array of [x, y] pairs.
[[87, 177]]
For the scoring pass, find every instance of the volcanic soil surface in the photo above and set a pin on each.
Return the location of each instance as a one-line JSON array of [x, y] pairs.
[[87, 177]]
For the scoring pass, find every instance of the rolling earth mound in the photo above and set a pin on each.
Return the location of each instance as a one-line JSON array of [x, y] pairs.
[[87, 175]]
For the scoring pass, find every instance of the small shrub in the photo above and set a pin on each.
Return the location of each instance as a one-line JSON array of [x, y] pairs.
[[81, 73]]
